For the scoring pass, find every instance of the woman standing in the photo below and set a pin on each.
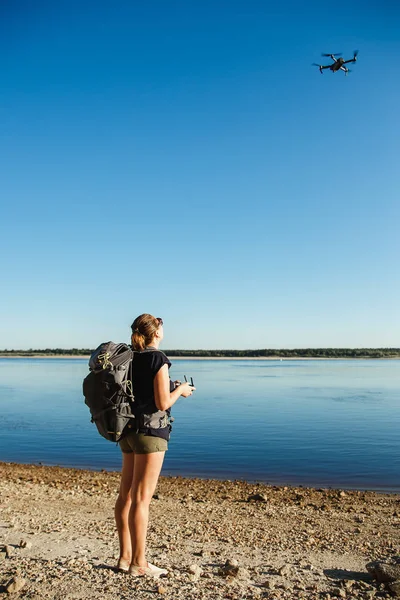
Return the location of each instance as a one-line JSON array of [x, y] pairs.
[[144, 448]]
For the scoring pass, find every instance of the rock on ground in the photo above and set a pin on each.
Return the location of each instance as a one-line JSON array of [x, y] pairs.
[[384, 572], [15, 585]]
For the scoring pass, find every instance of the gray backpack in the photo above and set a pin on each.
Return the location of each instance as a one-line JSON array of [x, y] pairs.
[[108, 389]]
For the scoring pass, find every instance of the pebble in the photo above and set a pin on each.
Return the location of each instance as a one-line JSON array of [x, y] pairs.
[[9, 551], [195, 572], [363, 585], [15, 585], [257, 498], [161, 589], [284, 570], [348, 584], [230, 568], [395, 588]]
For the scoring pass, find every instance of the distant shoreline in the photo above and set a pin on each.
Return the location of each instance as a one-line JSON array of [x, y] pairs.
[[270, 358], [274, 354]]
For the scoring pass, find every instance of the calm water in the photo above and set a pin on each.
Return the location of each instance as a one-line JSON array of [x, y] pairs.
[[322, 423]]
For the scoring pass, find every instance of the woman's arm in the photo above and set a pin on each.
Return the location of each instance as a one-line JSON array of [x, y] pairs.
[[164, 399]]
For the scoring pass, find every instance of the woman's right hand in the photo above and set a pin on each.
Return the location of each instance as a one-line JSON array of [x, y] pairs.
[[186, 389]]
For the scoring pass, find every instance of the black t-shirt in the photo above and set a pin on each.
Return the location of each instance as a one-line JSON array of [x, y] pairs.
[[145, 366]]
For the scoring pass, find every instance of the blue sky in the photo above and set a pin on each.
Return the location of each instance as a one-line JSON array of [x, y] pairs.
[[185, 159]]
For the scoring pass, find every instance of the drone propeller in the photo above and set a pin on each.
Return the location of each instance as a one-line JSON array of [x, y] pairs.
[[333, 54], [319, 66], [355, 55]]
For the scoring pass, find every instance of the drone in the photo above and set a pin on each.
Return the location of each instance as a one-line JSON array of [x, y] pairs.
[[338, 63]]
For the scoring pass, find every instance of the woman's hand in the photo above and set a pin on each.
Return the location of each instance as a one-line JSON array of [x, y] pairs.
[[186, 389], [164, 399]]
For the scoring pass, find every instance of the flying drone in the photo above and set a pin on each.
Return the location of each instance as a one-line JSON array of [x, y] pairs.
[[338, 63]]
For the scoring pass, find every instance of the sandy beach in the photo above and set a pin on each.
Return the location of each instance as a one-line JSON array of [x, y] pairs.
[[58, 540]]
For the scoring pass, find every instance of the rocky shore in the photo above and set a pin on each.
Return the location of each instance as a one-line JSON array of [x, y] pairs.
[[218, 539]]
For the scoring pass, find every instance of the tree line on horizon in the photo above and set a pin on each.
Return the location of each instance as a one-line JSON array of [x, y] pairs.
[[295, 353], [262, 353]]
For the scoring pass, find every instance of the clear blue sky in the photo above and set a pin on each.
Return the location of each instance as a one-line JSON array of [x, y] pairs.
[[185, 159]]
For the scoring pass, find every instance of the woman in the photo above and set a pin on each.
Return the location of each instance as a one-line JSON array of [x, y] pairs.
[[144, 448]]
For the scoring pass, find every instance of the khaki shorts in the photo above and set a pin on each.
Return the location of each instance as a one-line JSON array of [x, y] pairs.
[[140, 443]]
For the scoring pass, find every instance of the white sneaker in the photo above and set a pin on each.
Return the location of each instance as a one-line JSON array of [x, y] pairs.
[[123, 565], [150, 570]]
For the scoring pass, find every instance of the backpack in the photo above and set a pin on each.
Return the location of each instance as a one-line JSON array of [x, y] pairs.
[[108, 389]]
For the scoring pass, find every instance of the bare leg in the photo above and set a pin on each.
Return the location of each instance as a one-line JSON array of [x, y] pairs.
[[122, 507], [147, 469]]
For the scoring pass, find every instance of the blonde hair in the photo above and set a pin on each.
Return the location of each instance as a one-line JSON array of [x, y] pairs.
[[144, 328]]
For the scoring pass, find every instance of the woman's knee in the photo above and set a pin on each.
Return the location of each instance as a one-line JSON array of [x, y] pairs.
[[141, 496], [124, 495], [143, 499]]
